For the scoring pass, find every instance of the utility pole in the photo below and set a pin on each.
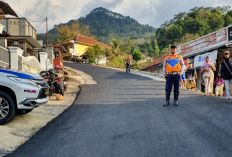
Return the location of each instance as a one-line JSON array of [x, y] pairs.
[[47, 28]]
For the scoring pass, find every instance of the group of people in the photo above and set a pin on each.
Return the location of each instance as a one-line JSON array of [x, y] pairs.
[[207, 82], [191, 76], [175, 72], [224, 76]]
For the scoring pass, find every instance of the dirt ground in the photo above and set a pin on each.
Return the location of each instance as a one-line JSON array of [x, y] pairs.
[[22, 127]]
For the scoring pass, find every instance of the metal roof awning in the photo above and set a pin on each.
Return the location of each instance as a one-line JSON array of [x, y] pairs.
[[33, 42], [204, 50], [6, 9]]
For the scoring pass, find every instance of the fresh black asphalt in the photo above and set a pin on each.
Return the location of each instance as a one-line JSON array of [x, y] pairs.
[[123, 116]]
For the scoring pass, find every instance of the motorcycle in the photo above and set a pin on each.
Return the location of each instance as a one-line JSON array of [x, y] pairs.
[[56, 83]]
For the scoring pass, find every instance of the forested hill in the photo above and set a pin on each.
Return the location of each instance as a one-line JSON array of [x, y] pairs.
[[198, 22], [107, 25]]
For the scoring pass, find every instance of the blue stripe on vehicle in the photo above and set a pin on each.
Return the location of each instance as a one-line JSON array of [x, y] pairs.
[[18, 74]]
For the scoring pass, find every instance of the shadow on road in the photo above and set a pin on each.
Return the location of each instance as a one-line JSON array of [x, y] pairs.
[[123, 75]]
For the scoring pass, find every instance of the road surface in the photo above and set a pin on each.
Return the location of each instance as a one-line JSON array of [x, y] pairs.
[[123, 116]]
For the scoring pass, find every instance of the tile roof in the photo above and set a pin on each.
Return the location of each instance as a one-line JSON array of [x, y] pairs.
[[89, 41], [155, 62], [6, 9]]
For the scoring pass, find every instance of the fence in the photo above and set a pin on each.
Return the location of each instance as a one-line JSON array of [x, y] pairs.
[[4, 57]]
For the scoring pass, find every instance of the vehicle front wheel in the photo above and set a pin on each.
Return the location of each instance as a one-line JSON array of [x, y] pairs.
[[7, 108]]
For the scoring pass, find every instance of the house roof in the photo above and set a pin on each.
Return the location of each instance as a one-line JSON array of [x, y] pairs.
[[145, 57], [155, 62], [60, 47], [6, 9], [88, 41]]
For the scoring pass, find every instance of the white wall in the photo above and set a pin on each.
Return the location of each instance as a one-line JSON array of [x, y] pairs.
[[32, 65], [102, 60]]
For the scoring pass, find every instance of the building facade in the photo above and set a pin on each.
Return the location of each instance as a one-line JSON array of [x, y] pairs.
[[77, 46], [18, 27], [24, 33]]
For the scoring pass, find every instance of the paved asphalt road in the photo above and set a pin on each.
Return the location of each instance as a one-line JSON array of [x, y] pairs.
[[123, 116]]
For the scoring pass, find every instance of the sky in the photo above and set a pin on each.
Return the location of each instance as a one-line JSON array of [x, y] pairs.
[[151, 12]]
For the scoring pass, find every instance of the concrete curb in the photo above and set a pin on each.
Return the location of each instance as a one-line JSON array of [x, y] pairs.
[[82, 79]]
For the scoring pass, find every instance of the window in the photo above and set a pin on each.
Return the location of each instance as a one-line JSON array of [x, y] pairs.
[[10, 22], [14, 22], [18, 22]]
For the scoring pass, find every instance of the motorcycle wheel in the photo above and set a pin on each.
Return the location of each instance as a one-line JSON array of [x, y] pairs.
[[50, 92], [62, 89], [65, 87]]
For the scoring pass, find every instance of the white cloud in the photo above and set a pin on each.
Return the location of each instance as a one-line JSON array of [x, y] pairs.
[[152, 12]]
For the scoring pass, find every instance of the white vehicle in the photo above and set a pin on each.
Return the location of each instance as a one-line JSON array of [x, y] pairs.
[[20, 93]]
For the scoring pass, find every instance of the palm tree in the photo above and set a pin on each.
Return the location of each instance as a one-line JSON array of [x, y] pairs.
[[116, 47]]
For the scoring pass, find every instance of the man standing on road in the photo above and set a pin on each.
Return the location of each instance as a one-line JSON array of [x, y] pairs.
[[173, 69], [225, 71], [128, 62]]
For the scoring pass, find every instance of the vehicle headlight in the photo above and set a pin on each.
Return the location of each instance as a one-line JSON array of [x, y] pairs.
[[21, 80]]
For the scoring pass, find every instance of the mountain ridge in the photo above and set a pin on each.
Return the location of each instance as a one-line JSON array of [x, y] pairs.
[[107, 25]]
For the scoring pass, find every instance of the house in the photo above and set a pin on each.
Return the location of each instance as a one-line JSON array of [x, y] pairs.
[[56, 54], [146, 59], [4, 54], [101, 60], [18, 45], [77, 46], [22, 34]]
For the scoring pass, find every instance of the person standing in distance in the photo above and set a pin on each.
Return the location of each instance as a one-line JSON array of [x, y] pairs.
[[128, 62], [173, 69]]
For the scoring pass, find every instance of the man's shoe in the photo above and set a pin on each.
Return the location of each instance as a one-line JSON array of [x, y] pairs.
[[228, 100], [176, 96], [167, 104], [167, 94], [176, 103]]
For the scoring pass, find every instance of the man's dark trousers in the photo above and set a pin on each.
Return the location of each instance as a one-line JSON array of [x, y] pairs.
[[170, 80], [127, 68]]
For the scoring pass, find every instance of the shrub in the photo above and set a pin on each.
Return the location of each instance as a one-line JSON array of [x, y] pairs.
[[117, 62], [137, 55], [91, 60]]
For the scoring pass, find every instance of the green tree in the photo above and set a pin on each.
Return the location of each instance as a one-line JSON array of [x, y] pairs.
[[100, 52], [198, 22], [137, 56], [156, 49], [76, 28], [166, 49], [188, 37], [228, 18], [96, 52], [116, 47]]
